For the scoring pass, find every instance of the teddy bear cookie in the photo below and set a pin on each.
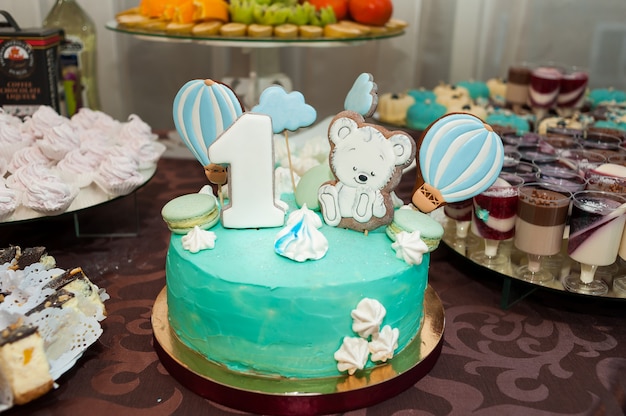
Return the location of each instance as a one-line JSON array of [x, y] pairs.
[[367, 162]]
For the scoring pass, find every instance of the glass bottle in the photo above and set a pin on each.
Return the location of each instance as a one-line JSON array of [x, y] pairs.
[[77, 56]]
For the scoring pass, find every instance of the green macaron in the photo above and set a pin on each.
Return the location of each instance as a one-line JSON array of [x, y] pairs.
[[410, 220], [185, 212]]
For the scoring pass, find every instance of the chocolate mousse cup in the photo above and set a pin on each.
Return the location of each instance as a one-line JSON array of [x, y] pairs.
[[518, 80], [542, 212]]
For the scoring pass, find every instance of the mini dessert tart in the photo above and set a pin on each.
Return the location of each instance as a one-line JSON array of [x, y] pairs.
[[185, 212], [409, 220]]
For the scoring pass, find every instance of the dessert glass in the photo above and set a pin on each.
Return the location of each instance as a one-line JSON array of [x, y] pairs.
[[586, 159], [542, 211], [525, 170], [598, 181], [596, 227], [493, 219], [545, 83], [461, 215], [569, 179], [572, 89]]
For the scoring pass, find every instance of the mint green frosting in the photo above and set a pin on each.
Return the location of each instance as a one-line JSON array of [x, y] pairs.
[[244, 306]]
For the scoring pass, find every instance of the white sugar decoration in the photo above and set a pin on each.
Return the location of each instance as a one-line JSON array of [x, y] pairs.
[[352, 355], [410, 247], [367, 317], [300, 240], [198, 239], [384, 343], [367, 320]]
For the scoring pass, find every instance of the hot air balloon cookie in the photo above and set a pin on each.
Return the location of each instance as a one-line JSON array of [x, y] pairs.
[[202, 110], [459, 157]]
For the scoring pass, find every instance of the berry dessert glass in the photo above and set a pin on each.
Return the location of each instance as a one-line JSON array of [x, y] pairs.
[[572, 89], [545, 83], [493, 219], [542, 211], [596, 227]]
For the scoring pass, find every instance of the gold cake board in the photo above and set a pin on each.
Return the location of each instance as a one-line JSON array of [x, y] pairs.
[[286, 396]]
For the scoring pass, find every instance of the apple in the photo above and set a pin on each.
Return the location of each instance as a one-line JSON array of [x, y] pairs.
[[340, 7], [370, 12]]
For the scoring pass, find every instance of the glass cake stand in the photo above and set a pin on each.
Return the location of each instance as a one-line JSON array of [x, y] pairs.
[[560, 265], [89, 197], [281, 396], [263, 53]]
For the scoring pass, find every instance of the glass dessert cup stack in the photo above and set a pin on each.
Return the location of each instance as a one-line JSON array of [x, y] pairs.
[[596, 228], [493, 219], [542, 213]]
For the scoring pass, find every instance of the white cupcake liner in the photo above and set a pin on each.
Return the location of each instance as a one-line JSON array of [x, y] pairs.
[[119, 188], [78, 179], [51, 210]]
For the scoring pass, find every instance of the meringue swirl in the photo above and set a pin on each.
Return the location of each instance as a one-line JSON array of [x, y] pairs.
[[410, 247], [383, 344], [367, 317], [301, 240], [198, 239], [352, 355]]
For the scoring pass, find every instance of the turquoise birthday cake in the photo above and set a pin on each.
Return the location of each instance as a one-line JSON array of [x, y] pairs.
[[335, 285]]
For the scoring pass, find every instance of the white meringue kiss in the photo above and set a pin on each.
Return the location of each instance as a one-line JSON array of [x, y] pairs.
[[367, 317], [352, 355], [198, 239], [410, 247], [383, 344], [301, 240]]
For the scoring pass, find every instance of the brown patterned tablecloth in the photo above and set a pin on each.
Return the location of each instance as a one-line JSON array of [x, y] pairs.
[[549, 354]]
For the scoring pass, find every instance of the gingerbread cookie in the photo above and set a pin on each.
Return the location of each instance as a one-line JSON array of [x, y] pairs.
[[367, 161]]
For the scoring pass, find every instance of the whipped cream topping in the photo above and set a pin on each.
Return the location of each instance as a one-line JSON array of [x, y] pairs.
[[383, 344], [12, 134], [117, 169], [49, 195], [43, 120], [26, 175], [135, 129], [27, 156], [352, 355], [88, 119], [410, 247], [300, 240], [198, 239], [367, 317], [79, 161], [59, 140], [8, 200], [146, 152], [4, 164]]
